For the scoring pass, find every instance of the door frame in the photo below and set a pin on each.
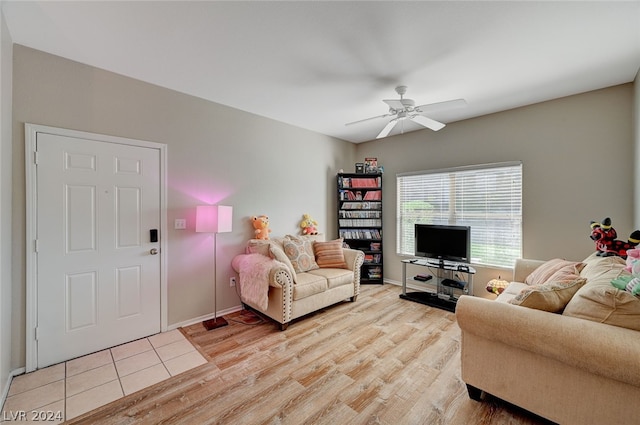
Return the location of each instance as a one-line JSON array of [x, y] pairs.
[[31, 134]]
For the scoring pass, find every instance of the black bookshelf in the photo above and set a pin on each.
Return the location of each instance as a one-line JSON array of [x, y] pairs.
[[360, 220]]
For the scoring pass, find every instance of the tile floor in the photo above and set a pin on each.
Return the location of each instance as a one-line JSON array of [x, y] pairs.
[[69, 389]]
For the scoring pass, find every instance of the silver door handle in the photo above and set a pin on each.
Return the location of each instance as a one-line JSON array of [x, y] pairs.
[[154, 251]]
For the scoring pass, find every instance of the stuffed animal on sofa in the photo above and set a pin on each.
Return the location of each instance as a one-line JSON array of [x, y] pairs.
[[630, 283], [261, 226], [605, 236], [308, 225]]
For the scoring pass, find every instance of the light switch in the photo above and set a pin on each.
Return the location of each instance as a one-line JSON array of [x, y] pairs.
[[180, 223]]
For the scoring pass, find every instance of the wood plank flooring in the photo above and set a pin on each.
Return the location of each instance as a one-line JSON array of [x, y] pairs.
[[380, 360]]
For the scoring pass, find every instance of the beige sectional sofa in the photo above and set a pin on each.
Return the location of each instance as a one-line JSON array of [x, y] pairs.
[[577, 363], [299, 275]]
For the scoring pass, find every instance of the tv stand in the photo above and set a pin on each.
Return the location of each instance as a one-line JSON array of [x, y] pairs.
[[450, 280]]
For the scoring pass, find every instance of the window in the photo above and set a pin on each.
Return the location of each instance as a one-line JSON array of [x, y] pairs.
[[486, 197]]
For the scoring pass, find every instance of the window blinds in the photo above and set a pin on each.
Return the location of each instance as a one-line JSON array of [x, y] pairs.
[[487, 197]]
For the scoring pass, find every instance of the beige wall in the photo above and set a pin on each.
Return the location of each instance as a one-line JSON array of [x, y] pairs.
[[636, 133], [577, 155], [5, 204], [215, 154]]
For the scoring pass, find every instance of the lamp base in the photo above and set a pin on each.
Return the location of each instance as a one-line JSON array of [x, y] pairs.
[[214, 323]]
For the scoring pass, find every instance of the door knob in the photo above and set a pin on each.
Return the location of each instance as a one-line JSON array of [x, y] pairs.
[[153, 251]]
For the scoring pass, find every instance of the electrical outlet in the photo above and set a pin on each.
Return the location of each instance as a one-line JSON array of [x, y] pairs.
[[232, 281], [180, 224]]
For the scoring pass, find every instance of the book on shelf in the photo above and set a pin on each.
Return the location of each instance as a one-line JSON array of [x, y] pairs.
[[360, 205], [347, 222], [373, 195], [360, 182], [360, 214], [372, 258], [361, 233]]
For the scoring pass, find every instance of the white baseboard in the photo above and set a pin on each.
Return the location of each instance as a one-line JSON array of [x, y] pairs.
[[5, 392], [203, 318]]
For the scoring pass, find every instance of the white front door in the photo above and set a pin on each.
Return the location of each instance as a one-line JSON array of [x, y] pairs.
[[97, 266]]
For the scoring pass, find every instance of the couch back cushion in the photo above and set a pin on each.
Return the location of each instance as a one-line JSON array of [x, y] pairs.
[[552, 296], [600, 301], [543, 273]]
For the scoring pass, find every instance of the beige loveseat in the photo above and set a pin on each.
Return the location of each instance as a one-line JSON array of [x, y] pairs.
[[577, 365], [286, 278]]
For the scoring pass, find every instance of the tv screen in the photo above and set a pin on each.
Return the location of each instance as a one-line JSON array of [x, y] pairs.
[[452, 243]]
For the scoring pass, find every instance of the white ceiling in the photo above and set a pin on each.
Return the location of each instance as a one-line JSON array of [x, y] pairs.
[[321, 64]]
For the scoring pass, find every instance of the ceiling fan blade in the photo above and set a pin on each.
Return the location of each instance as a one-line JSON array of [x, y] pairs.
[[441, 106], [387, 129], [394, 103], [428, 122], [369, 119]]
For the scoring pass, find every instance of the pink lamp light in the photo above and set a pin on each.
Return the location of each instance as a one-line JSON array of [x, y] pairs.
[[214, 219]]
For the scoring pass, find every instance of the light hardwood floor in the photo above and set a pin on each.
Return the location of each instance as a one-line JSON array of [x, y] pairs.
[[380, 360]]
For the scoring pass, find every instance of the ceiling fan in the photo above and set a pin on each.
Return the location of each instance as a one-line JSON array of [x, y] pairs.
[[405, 109]]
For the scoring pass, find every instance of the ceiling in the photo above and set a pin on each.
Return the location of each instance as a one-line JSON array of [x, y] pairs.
[[321, 64]]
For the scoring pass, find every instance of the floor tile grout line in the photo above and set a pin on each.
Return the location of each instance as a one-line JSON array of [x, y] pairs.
[[113, 359], [65, 377]]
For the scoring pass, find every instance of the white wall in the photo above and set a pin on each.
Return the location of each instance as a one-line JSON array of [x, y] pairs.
[[6, 364], [216, 154], [578, 165]]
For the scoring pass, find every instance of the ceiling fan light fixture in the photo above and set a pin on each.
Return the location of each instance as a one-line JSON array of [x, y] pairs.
[[404, 109]]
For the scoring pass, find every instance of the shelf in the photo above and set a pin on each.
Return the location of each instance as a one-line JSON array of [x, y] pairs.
[[359, 218], [449, 281], [431, 299]]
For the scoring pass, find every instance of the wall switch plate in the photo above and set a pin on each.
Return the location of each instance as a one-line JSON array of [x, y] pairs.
[[232, 281], [180, 223]]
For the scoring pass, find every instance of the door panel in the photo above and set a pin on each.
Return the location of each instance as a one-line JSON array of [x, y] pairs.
[[97, 283]]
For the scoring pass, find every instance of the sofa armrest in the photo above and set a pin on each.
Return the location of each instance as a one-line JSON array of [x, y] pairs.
[[524, 267], [588, 345], [279, 274], [353, 257]]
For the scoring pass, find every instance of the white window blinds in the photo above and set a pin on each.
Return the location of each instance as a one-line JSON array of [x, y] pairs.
[[487, 197]]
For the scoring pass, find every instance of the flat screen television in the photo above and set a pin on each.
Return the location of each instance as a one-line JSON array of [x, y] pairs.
[[441, 242]]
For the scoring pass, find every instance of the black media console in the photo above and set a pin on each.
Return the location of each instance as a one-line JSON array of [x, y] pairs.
[[450, 280]]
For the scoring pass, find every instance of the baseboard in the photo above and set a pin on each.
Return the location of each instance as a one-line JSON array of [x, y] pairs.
[[203, 318], [5, 391]]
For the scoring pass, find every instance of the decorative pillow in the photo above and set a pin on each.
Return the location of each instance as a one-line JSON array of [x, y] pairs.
[[600, 302], [300, 253], [551, 296], [330, 254], [543, 273]]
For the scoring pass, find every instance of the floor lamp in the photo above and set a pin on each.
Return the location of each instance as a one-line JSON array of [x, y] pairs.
[[214, 219]]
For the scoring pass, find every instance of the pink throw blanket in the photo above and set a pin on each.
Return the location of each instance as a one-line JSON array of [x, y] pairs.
[[254, 278]]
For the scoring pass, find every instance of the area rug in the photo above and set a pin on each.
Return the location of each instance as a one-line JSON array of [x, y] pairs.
[[246, 317]]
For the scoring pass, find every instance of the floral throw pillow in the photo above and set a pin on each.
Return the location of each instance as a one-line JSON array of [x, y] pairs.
[[300, 253]]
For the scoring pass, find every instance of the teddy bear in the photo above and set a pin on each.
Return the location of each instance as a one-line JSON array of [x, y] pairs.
[[308, 225], [261, 226], [605, 236], [630, 283]]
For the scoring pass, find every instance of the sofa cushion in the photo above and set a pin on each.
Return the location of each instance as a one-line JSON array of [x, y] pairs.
[[330, 254], [543, 273], [511, 291], [300, 252], [600, 301], [334, 277], [602, 268], [552, 296], [309, 284], [274, 249]]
